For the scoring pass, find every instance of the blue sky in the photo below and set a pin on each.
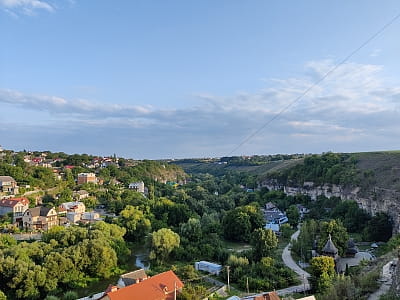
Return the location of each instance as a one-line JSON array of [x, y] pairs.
[[173, 79]]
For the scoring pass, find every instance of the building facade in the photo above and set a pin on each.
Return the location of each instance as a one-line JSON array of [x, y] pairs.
[[87, 178], [8, 185], [16, 206], [40, 218]]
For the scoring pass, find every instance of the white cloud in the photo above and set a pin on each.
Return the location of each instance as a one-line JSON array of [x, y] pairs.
[[27, 7], [352, 110]]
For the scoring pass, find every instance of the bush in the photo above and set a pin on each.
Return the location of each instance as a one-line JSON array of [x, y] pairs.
[[70, 295]]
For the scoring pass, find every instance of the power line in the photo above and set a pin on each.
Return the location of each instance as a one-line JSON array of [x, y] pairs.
[[316, 83]]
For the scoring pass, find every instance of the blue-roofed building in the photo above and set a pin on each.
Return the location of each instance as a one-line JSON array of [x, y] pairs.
[[209, 267]]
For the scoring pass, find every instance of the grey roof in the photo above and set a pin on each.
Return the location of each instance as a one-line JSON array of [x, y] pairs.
[[131, 277], [271, 216], [330, 247], [40, 211], [351, 244], [6, 178]]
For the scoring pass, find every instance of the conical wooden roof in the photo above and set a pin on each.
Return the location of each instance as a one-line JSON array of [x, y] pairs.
[[330, 247]]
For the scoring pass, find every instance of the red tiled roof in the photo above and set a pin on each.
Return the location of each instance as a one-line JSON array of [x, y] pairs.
[[158, 287], [14, 201]]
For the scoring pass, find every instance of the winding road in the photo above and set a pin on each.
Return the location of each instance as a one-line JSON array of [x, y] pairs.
[[290, 263]]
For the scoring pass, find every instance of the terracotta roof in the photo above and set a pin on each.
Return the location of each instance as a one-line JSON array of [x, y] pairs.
[[23, 200], [13, 201], [158, 287]]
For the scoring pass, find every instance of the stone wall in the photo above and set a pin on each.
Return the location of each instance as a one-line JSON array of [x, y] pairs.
[[373, 200]]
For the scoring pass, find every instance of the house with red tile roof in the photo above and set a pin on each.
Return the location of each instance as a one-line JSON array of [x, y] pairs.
[[16, 206], [163, 286]]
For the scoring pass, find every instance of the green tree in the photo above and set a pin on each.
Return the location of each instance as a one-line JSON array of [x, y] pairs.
[[239, 223], [191, 230], [7, 241], [338, 233], [379, 228], [264, 241], [192, 292], [51, 297], [293, 215], [322, 272], [65, 196], [286, 230], [2, 296], [135, 221], [162, 243]]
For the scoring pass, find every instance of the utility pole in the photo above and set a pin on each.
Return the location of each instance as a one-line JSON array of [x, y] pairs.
[[227, 268], [247, 285], [304, 283], [174, 290]]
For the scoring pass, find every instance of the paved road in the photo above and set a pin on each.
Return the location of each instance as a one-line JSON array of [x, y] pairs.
[[290, 263], [386, 279]]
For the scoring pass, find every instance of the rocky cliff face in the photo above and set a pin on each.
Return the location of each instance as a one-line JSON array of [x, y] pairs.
[[373, 200], [395, 288]]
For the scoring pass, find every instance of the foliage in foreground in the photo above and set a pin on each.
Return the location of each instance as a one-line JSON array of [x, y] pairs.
[[66, 259]]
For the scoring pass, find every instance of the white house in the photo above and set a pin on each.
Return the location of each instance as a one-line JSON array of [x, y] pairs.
[[209, 267], [73, 206], [17, 206], [137, 186]]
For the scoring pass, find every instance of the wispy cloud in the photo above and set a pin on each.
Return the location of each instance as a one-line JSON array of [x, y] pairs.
[[27, 7], [375, 52], [354, 109]]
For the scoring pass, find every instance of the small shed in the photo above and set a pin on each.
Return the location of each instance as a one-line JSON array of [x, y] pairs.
[[209, 267]]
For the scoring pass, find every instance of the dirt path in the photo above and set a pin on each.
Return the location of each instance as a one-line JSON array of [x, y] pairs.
[[386, 279]]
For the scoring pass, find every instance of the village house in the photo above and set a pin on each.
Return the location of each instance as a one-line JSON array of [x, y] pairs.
[[273, 215], [40, 218], [16, 206], [87, 178], [208, 267], [163, 286], [302, 210], [90, 217], [74, 206], [8, 185], [137, 186], [57, 174], [132, 278], [79, 195], [72, 211]]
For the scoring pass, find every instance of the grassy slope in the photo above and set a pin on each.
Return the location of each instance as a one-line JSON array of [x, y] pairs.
[[385, 166], [215, 168], [380, 169]]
